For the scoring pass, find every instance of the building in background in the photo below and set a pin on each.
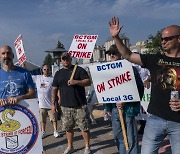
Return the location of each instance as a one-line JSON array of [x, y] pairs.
[[140, 46], [57, 52], [33, 68]]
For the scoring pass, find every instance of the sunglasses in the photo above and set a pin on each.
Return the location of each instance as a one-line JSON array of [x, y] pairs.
[[112, 55], [45, 69], [169, 38]]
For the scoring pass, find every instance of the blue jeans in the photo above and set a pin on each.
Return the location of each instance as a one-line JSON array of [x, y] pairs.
[[131, 132], [156, 130]]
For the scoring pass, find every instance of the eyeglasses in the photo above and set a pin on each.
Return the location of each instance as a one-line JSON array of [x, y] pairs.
[[46, 69], [169, 38]]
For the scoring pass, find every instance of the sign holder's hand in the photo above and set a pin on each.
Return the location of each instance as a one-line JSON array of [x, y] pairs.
[[123, 129]]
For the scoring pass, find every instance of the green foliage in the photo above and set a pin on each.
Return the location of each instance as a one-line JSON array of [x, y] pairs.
[[153, 45], [48, 60]]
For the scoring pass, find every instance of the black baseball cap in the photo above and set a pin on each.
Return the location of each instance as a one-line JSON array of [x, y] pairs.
[[65, 55], [112, 50]]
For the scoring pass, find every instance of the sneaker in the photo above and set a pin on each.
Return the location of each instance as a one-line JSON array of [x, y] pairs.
[[106, 117], [56, 134], [87, 151], [43, 134], [68, 150], [94, 122]]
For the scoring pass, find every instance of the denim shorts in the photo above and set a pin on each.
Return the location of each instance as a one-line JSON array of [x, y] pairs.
[[72, 116]]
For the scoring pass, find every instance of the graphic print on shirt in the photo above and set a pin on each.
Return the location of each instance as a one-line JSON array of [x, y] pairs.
[[11, 87], [44, 84], [168, 77]]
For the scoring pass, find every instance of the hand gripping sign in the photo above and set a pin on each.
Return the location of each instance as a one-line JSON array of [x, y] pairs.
[[20, 50], [82, 47], [115, 82]]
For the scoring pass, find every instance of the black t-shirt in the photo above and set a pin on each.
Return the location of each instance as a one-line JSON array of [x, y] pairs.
[[165, 76], [71, 96]]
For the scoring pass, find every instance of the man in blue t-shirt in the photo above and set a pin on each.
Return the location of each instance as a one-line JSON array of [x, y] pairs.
[[16, 83]]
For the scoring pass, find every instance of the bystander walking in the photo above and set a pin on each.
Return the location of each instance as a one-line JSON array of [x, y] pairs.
[[44, 85]]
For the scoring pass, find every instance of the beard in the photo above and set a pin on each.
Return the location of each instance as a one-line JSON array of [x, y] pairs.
[[7, 61]]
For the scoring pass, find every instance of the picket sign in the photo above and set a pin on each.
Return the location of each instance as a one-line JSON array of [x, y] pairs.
[[144, 104], [82, 47], [20, 129], [20, 50], [114, 82]]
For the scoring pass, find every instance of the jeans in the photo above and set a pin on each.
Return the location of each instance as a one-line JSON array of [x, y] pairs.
[[131, 132], [156, 130]]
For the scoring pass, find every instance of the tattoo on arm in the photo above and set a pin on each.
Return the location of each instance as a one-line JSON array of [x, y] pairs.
[[54, 94]]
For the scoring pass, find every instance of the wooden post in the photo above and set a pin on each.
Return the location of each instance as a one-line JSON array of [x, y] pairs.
[[74, 69], [123, 129]]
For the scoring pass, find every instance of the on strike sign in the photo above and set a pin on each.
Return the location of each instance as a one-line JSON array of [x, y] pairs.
[[82, 46], [20, 50], [114, 82]]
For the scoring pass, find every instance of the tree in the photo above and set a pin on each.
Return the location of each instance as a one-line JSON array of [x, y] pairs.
[[48, 60], [153, 45]]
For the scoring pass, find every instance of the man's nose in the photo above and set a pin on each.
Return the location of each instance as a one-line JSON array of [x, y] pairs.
[[6, 55]]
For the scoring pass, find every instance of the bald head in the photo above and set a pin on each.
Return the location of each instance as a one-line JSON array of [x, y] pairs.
[[171, 30], [170, 40], [6, 55], [6, 47]]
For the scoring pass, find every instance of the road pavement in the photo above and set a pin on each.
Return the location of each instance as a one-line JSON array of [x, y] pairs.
[[101, 138]]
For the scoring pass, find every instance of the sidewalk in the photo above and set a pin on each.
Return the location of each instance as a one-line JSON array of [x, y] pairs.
[[101, 138]]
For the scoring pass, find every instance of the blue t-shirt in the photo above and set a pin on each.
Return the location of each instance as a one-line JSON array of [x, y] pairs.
[[15, 82]]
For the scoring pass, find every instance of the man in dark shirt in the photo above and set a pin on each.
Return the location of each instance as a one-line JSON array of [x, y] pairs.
[[72, 100], [164, 68], [129, 110]]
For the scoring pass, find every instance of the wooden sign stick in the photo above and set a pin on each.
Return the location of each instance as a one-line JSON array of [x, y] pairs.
[[74, 69], [123, 129]]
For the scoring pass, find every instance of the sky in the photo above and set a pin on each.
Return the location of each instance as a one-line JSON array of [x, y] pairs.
[[43, 23]]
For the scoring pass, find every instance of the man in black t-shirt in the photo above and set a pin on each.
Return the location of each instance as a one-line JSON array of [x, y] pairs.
[[72, 101], [164, 115]]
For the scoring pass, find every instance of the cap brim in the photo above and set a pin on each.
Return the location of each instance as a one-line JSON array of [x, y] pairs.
[[65, 55], [111, 52]]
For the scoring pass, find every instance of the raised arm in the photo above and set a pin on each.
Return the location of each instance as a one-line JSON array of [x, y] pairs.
[[125, 52]]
